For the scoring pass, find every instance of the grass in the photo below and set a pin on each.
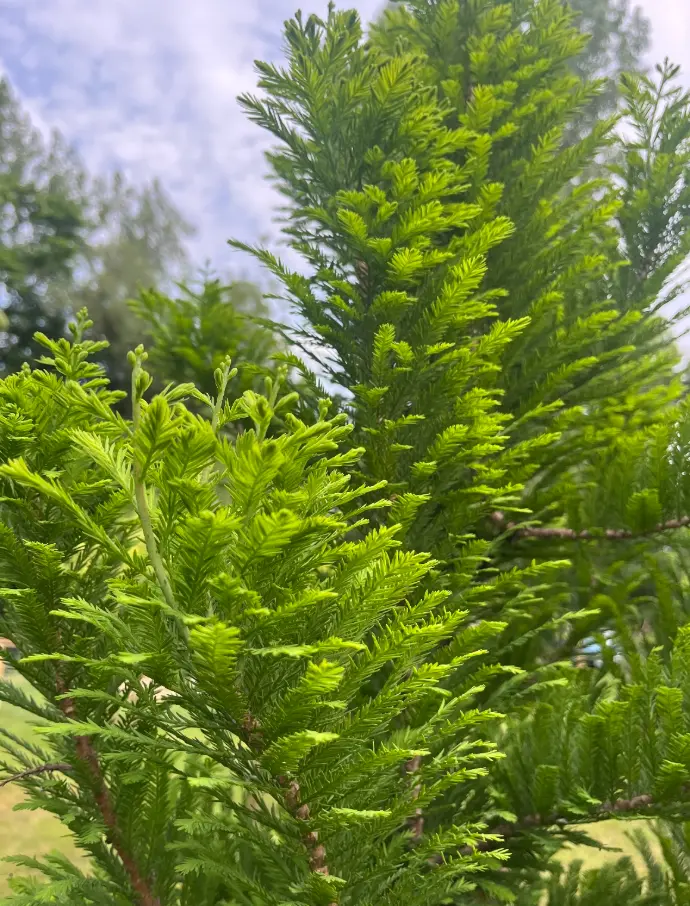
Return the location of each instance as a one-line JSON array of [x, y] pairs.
[[37, 833], [29, 833], [610, 834]]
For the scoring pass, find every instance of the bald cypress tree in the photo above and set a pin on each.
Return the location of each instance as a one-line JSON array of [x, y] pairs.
[[505, 349], [339, 661]]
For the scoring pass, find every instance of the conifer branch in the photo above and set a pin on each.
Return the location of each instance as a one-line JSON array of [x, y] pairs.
[[89, 758], [150, 539], [568, 534], [140, 488], [316, 851], [223, 376], [56, 768]]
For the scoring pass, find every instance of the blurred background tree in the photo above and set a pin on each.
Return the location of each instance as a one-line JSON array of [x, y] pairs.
[[42, 227], [137, 240], [68, 240], [193, 331], [619, 38]]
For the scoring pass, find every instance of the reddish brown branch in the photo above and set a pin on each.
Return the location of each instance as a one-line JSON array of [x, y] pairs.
[[567, 534], [315, 850], [89, 757], [253, 733], [33, 772]]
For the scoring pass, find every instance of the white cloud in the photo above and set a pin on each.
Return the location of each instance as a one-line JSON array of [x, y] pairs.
[[670, 31], [151, 86]]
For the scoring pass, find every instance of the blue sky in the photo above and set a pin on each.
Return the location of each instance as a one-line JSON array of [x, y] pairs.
[[151, 86]]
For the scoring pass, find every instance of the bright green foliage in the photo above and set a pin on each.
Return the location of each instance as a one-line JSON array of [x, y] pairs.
[[452, 261], [629, 509], [244, 581], [617, 744], [655, 194], [652, 486], [190, 334], [398, 255], [497, 314], [466, 279], [252, 695], [585, 357], [260, 688], [618, 35]]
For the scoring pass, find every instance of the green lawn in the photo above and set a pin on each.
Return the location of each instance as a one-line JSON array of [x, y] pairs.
[[609, 833], [28, 833], [37, 833]]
